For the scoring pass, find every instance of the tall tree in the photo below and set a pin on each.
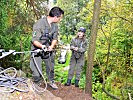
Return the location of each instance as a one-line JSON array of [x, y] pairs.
[[92, 46]]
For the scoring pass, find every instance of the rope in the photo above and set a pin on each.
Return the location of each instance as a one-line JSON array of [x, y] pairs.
[[9, 82], [35, 51], [4, 54], [34, 87]]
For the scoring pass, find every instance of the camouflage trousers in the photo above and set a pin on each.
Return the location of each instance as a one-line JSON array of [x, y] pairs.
[[76, 66], [49, 63]]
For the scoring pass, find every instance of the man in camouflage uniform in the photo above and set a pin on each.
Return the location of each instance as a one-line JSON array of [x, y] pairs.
[[45, 35], [78, 47]]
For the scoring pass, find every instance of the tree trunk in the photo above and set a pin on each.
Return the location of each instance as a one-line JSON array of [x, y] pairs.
[[92, 46]]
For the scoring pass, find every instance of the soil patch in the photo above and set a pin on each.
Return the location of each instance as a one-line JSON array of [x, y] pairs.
[[69, 93]]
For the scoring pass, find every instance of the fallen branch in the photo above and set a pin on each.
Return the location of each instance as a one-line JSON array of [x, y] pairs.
[[109, 94], [103, 85]]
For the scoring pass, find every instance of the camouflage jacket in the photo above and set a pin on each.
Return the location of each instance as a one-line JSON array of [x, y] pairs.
[[40, 27], [82, 46]]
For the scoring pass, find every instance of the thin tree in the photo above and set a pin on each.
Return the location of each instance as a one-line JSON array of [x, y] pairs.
[[92, 46]]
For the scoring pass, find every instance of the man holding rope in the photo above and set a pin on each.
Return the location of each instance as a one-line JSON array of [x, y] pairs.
[[45, 36]]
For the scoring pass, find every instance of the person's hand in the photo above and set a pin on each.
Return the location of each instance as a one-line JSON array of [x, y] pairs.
[[44, 48], [72, 47], [50, 48], [76, 48], [37, 50]]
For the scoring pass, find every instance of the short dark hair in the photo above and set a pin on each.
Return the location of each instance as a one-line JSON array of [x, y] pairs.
[[56, 11]]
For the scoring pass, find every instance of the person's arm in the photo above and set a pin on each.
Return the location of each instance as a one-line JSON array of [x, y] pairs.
[[52, 46], [38, 44], [35, 40], [36, 34], [83, 48], [72, 46], [54, 38]]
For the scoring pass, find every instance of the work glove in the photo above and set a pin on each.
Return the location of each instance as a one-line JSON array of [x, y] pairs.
[[44, 48], [74, 48], [37, 50]]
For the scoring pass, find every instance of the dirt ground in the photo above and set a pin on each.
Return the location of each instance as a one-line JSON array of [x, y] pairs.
[[62, 93], [69, 93]]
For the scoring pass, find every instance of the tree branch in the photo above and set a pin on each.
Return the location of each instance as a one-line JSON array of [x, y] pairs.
[[123, 18], [103, 85], [118, 16], [104, 33], [103, 75], [31, 2], [112, 96]]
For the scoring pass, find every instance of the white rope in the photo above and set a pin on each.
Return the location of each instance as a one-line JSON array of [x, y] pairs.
[[4, 54], [39, 91], [9, 82]]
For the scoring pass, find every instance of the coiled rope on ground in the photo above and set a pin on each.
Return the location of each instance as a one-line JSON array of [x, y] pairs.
[[9, 82]]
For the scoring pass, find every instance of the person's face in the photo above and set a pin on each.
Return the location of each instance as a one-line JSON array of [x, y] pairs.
[[80, 34], [57, 19]]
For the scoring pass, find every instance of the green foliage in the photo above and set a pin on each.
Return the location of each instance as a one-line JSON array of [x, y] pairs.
[[72, 19], [61, 70], [3, 16], [66, 39], [12, 32], [115, 37], [114, 34]]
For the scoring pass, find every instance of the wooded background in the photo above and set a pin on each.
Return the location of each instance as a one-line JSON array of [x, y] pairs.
[[113, 56]]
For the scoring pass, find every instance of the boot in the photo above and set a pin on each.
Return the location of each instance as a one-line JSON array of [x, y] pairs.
[[36, 79], [53, 85], [68, 82], [76, 83]]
